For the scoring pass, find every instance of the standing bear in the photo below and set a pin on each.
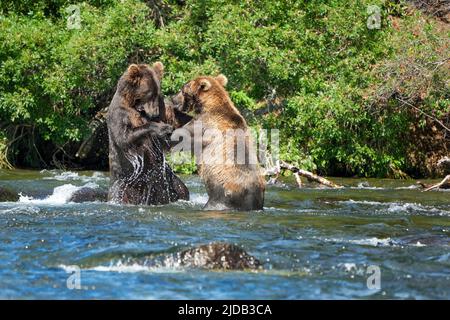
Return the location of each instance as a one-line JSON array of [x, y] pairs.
[[138, 136], [222, 144]]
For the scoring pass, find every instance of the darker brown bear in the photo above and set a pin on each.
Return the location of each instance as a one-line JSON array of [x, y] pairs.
[[234, 182], [137, 136]]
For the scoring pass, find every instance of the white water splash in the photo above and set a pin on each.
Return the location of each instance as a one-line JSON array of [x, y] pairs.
[[198, 198], [97, 176], [123, 267], [366, 185], [415, 207], [399, 207], [376, 242], [411, 187], [372, 203], [60, 195]]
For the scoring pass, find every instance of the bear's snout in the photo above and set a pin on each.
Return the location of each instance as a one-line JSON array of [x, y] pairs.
[[178, 101]]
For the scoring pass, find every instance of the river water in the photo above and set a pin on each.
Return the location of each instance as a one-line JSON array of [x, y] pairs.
[[374, 239]]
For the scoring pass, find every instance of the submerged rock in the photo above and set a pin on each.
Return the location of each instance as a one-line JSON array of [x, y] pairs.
[[8, 195], [213, 256], [218, 256], [87, 194]]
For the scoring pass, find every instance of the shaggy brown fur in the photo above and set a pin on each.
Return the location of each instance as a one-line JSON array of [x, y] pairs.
[[231, 183], [137, 137]]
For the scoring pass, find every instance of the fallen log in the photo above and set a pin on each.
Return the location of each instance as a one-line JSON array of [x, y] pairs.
[[443, 163], [308, 175], [274, 170], [444, 184]]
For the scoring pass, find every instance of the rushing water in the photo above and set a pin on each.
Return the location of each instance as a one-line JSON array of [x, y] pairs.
[[314, 243]]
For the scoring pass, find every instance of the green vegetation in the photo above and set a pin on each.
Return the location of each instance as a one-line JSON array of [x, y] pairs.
[[348, 100]]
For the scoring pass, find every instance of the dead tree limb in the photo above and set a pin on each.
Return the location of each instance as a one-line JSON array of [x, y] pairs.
[[273, 170], [443, 184], [308, 175], [298, 180], [444, 163]]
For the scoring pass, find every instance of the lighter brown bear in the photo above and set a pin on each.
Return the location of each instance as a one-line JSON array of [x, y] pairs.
[[226, 157]]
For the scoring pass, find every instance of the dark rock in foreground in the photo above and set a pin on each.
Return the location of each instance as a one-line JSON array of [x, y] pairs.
[[218, 256], [8, 195], [213, 256], [89, 195]]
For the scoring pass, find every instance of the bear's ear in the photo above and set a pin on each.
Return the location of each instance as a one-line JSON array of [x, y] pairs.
[[133, 72], [222, 80], [205, 85], [159, 69]]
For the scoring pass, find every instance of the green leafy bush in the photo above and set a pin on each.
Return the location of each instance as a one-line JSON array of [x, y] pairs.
[[320, 75], [53, 79]]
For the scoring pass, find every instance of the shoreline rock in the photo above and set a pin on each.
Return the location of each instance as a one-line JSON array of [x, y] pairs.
[[7, 195]]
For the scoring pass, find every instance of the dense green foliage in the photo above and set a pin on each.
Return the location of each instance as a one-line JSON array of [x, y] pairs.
[[327, 80]]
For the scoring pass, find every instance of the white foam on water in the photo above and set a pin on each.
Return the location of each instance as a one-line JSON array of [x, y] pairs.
[[20, 209], [366, 185], [74, 176], [60, 195], [198, 198], [415, 207], [418, 244], [374, 241], [399, 207], [121, 267], [411, 187], [374, 203], [402, 207], [194, 183], [353, 268]]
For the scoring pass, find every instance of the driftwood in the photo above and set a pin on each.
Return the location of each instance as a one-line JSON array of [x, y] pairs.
[[275, 171], [308, 175], [444, 184]]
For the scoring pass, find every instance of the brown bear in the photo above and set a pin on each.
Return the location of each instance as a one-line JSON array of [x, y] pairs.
[[218, 129], [137, 137]]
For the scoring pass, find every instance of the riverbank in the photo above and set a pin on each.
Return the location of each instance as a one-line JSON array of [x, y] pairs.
[[356, 88]]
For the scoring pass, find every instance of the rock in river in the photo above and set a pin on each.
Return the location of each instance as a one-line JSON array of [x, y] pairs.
[[8, 195], [218, 256]]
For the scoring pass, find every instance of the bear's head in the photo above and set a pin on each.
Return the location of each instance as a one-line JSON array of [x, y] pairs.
[[140, 86], [201, 93]]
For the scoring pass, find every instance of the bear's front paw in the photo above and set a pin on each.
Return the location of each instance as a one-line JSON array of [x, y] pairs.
[[165, 130]]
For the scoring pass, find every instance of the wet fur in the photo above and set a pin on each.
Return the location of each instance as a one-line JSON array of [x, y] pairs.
[[137, 138]]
